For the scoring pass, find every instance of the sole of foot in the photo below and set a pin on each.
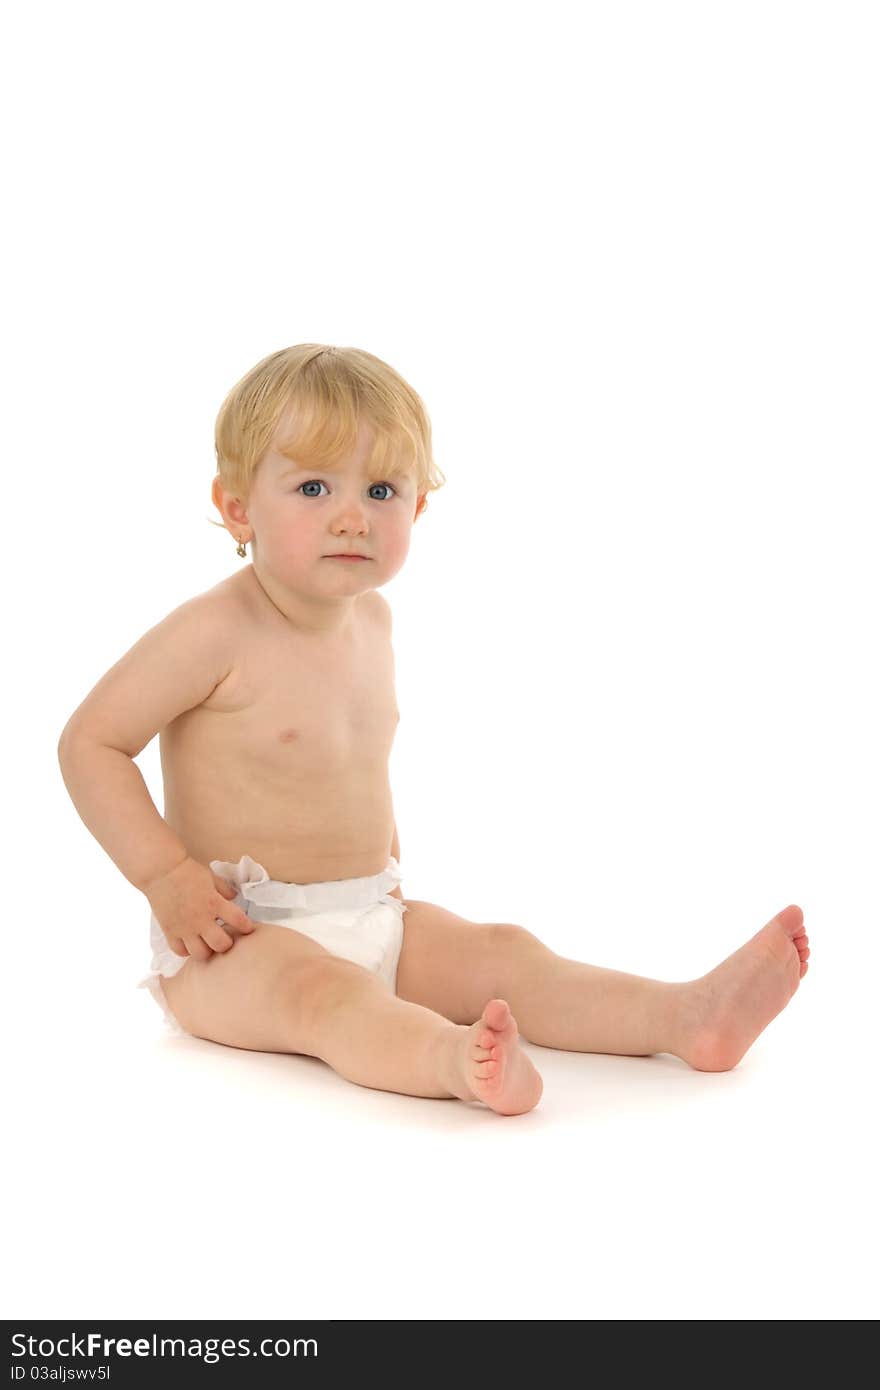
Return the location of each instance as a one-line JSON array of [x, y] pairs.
[[493, 1066], [734, 1003]]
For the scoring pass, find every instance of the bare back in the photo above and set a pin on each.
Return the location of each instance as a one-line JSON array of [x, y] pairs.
[[287, 759]]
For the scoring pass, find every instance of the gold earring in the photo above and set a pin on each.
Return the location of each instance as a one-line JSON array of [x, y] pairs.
[[240, 549]]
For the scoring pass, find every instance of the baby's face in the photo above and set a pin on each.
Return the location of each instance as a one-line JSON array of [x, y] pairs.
[[302, 519]]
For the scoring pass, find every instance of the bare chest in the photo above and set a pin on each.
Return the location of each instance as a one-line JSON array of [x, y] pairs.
[[296, 710], [287, 760]]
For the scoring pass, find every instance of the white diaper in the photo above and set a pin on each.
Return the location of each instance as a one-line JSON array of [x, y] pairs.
[[356, 918]]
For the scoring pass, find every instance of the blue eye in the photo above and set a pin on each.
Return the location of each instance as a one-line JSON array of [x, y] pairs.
[[316, 482]]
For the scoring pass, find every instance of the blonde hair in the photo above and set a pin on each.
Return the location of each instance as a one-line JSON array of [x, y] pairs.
[[331, 390]]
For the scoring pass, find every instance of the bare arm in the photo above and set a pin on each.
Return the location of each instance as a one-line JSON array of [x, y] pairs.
[[111, 797], [174, 667], [384, 610]]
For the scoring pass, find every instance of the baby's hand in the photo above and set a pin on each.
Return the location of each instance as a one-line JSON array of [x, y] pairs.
[[187, 903]]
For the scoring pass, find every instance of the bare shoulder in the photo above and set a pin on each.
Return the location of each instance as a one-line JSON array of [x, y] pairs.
[[239, 606], [212, 620], [175, 666], [378, 608], [230, 599]]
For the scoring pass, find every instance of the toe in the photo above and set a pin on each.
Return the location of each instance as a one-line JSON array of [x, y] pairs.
[[792, 919], [497, 1014]]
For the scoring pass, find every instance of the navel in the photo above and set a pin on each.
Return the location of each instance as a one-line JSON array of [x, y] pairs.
[[287, 735]]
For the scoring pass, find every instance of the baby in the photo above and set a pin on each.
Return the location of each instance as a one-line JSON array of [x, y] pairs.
[[278, 923]]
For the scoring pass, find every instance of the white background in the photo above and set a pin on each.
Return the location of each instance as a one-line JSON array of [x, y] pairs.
[[627, 254]]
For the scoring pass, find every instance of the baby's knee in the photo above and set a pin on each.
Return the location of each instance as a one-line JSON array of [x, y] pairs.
[[318, 985]]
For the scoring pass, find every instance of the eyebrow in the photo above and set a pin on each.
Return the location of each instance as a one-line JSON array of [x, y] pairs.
[[311, 472], [291, 468], [325, 468]]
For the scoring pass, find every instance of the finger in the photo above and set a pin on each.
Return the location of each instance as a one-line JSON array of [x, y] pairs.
[[178, 946], [217, 938], [224, 886], [233, 917], [230, 916], [197, 948]]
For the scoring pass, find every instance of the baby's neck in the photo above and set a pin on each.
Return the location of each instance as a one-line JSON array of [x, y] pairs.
[[318, 618]]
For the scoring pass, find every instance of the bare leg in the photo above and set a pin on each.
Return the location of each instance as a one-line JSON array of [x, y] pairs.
[[373, 1038], [710, 1022], [276, 990], [577, 1007]]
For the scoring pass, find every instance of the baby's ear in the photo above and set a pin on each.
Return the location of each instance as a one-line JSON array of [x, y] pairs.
[[421, 505]]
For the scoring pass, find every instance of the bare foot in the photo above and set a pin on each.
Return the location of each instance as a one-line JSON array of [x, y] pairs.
[[492, 1066], [730, 1006]]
